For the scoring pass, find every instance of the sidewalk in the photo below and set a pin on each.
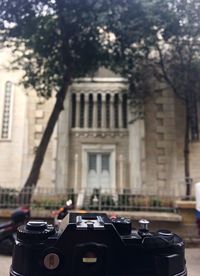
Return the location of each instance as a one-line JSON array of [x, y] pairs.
[[192, 259]]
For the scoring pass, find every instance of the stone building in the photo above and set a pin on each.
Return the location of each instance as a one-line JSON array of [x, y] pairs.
[[96, 145]]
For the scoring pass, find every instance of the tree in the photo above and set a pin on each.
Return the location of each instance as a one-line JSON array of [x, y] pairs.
[[177, 43], [130, 51], [166, 46], [56, 41]]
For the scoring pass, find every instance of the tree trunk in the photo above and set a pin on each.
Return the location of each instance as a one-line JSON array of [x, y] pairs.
[[28, 188], [187, 150]]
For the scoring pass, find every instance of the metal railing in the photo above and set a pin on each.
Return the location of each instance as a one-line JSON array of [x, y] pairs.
[[126, 201], [95, 199]]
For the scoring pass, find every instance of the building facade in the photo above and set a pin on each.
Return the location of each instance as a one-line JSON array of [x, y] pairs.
[[97, 144]]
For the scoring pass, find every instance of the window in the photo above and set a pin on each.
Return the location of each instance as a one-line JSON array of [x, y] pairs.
[[82, 110], [116, 110], [6, 118], [92, 161], [73, 110], [107, 110], [90, 117], [124, 110], [105, 162], [99, 108]]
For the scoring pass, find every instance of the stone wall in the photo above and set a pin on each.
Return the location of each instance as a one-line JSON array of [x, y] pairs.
[[194, 150], [164, 144], [29, 116], [12, 147], [38, 113], [160, 141]]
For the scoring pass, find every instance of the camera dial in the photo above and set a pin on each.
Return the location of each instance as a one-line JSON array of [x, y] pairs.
[[123, 225], [36, 225], [35, 231]]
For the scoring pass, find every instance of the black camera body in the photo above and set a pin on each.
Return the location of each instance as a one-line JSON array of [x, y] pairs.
[[96, 245]]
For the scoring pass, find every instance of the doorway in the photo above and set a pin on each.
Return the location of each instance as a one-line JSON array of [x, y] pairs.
[[98, 172]]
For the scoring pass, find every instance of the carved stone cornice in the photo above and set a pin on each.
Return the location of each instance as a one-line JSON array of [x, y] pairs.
[[95, 91], [103, 133]]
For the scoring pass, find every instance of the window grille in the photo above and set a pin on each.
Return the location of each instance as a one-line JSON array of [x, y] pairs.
[[5, 131]]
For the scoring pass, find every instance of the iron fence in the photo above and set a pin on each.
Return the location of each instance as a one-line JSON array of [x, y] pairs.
[[95, 199]]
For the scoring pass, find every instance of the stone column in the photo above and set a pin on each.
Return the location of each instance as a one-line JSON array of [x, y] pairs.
[[136, 152], [95, 111], [63, 147], [103, 111], [86, 110], [112, 111], [77, 110], [121, 176], [120, 110], [76, 173]]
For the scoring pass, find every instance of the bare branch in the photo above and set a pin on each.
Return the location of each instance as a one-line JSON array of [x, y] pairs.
[[165, 74]]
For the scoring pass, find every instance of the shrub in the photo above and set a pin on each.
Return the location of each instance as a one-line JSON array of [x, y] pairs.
[[8, 197]]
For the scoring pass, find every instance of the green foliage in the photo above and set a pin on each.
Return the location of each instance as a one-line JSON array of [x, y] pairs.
[[100, 200], [48, 203], [160, 39], [53, 39], [180, 53], [130, 52], [8, 197], [57, 40]]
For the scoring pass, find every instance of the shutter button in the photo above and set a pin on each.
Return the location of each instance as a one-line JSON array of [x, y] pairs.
[[36, 225]]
